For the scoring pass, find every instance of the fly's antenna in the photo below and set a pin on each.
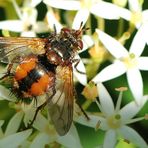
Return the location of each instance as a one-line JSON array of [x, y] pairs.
[[54, 28], [85, 29], [81, 29], [81, 26]]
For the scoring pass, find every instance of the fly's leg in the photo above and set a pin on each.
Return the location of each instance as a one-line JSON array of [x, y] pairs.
[[76, 61], [10, 65], [41, 106], [82, 110], [8, 73]]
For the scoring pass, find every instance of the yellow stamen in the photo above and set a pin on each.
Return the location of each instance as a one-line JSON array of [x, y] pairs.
[[97, 125], [121, 89]]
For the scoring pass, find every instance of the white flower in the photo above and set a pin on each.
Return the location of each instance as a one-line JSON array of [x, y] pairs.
[[138, 16], [128, 62], [28, 24], [99, 8], [48, 135], [135, 15], [114, 120], [11, 138]]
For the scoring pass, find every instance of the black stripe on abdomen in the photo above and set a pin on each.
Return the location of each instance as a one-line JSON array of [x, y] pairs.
[[32, 77]]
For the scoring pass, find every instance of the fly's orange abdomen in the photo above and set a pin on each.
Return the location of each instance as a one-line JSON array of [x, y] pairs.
[[31, 78], [41, 86], [25, 67]]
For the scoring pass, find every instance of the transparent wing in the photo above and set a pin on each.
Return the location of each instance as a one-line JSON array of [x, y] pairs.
[[61, 105], [10, 47]]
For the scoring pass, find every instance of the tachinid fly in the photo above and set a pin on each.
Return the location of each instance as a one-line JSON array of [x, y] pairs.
[[43, 67]]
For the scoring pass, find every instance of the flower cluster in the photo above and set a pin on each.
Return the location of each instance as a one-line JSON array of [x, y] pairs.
[[115, 45]]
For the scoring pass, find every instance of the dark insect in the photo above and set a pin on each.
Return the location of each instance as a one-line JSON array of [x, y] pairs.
[[43, 67]]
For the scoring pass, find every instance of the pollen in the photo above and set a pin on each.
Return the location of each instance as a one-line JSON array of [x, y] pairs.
[[130, 61]]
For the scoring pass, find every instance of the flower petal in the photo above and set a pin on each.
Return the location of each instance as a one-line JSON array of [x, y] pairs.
[[71, 140], [107, 106], [112, 45], [131, 109], [125, 13], [143, 63], [131, 135], [94, 120], [134, 75], [134, 5], [14, 140], [82, 78], [52, 21], [145, 15], [28, 34], [29, 16], [81, 16], [40, 27], [145, 29], [108, 10], [14, 124], [29, 114], [5, 94], [138, 43], [41, 140], [34, 3], [63, 4], [110, 139], [87, 42], [110, 72], [40, 123], [16, 25]]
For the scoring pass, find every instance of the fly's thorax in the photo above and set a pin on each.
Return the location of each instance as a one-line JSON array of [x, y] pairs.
[[60, 50], [54, 58], [62, 47]]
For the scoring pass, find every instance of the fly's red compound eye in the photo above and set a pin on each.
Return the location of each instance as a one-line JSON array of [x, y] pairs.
[[65, 30], [80, 44]]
